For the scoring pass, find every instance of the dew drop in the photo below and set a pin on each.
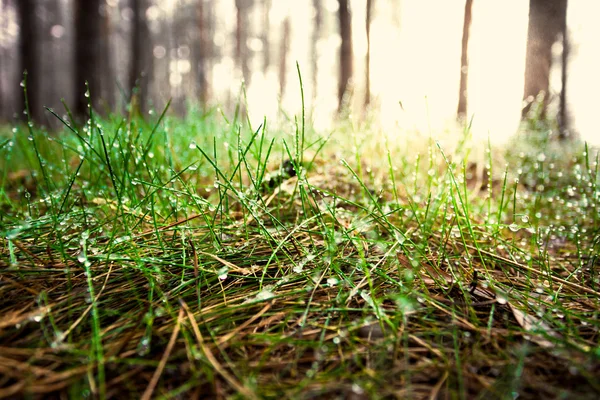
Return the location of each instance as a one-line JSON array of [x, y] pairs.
[[222, 273], [501, 298], [144, 346], [264, 294]]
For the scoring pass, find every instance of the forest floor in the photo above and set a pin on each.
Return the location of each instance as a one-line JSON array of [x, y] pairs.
[[207, 258]]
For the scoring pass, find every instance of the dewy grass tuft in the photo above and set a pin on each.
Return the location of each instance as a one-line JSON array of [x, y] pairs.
[[216, 258]]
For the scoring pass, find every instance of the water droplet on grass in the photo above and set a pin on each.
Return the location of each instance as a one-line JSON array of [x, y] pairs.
[[143, 347], [501, 297], [400, 237], [357, 389], [265, 294], [37, 317], [222, 273], [122, 239]]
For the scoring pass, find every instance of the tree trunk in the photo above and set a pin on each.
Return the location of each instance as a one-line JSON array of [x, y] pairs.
[[314, 53], [283, 54], [92, 55], [241, 37], [3, 112], [179, 43], [464, 62], [141, 59], [563, 113], [63, 57], [345, 20], [266, 29], [160, 84], [202, 50], [26, 14], [368, 19], [546, 21]]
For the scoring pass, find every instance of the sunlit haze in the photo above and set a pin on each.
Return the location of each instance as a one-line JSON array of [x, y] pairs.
[[415, 58], [415, 62]]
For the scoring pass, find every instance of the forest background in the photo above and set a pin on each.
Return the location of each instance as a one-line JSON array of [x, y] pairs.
[[415, 64]]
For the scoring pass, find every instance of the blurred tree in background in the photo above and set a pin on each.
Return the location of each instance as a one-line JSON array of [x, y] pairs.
[[93, 56], [547, 24], [26, 11], [464, 61], [141, 57], [200, 51]]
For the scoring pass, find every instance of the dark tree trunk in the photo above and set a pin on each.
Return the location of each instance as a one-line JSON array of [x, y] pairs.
[[160, 89], [26, 14], [464, 62], [64, 57], [202, 50], [241, 37], [368, 19], [141, 59], [3, 112], [180, 42], [345, 20], [266, 29], [563, 113], [546, 21], [314, 52], [92, 55], [283, 54], [52, 58]]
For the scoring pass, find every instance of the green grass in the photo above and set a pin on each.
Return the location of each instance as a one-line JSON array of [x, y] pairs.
[[178, 258]]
